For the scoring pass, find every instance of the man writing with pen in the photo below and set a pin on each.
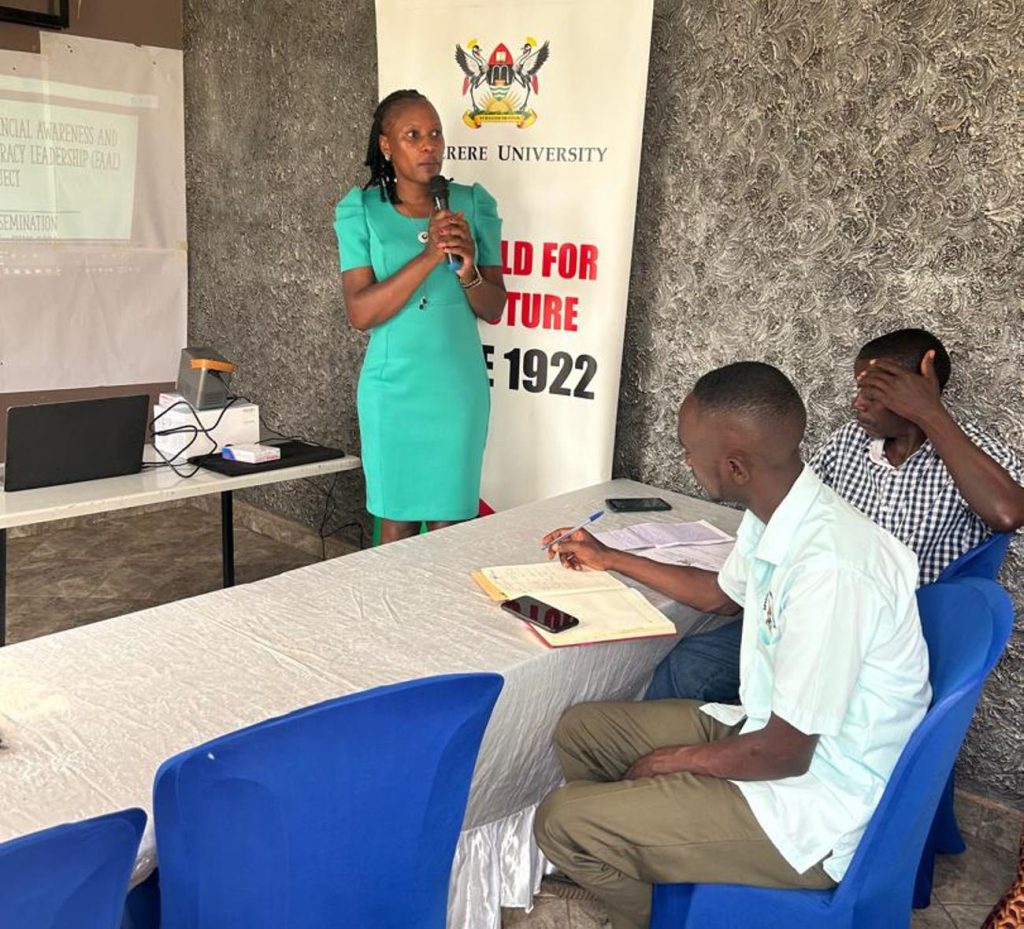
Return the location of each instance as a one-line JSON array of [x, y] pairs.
[[568, 533], [777, 791]]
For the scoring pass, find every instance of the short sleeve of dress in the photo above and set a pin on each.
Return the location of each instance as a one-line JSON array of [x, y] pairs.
[[352, 231], [487, 228]]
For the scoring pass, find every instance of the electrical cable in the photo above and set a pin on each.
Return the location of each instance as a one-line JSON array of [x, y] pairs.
[[188, 429], [330, 501]]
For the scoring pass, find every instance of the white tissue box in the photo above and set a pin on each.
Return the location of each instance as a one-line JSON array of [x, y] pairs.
[[251, 454]]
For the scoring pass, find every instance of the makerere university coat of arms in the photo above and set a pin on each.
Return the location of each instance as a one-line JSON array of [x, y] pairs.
[[499, 88]]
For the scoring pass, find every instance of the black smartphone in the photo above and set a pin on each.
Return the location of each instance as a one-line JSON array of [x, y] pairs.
[[540, 614], [636, 504]]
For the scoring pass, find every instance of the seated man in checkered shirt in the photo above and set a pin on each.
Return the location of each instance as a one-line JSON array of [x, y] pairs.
[[939, 484]]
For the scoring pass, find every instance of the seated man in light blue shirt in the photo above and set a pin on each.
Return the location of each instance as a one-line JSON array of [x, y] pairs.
[[775, 792]]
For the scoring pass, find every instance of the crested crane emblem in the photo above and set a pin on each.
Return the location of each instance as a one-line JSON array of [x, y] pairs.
[[500, 86]]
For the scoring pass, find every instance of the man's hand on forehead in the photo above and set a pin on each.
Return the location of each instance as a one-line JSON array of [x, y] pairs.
[[908, 394], [926, 369]]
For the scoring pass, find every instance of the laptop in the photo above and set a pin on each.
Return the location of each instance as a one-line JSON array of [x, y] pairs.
[[80, 440]]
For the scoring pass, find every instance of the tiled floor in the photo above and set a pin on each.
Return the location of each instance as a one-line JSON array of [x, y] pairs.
[[130, 560], [63, 577]]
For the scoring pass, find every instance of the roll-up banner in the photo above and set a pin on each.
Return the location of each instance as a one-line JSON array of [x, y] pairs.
[[543, 104]]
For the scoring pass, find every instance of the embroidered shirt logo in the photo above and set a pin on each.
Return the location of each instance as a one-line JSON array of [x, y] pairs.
[[771, 627]]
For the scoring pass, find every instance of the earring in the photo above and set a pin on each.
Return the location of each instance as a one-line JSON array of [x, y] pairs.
[[387, 158]]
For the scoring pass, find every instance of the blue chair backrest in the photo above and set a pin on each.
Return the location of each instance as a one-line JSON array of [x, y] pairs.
[[346, 813], [1002, 614], [966, 625], [73, 876], [984, 560]]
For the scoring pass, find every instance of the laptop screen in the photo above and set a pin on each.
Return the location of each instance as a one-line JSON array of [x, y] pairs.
[[79, 440]]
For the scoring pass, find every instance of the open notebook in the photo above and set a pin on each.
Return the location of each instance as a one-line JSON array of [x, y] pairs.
[[607, 609]]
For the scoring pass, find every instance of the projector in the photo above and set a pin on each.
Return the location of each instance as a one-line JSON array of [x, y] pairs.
[[203, 378]]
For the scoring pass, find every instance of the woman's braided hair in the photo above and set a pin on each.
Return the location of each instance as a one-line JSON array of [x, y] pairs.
[[382, 172]]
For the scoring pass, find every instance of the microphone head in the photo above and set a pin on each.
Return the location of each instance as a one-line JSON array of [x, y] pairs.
[[438, 186]]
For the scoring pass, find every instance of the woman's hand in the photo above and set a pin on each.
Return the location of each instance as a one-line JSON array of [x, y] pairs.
[[434, 249], [457, 240]]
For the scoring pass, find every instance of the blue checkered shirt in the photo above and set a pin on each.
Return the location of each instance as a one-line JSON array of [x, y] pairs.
[[918, 502]]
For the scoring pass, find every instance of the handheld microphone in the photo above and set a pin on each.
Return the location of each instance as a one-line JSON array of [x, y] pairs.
[[439, 191], [438, 187]]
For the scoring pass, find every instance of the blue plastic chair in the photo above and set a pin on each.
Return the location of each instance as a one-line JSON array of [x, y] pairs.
[[142, 908], [982, 561], [963, 632], [944, 836], [346, 813], [73, 876]]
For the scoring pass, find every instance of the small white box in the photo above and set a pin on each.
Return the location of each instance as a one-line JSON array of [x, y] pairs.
[[251, 454], [239, 424]]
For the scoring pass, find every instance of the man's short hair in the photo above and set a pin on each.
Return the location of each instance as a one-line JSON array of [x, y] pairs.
[[907, 347], [750, 388]]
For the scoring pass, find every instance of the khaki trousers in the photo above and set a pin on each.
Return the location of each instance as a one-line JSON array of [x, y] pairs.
[[616, 838]]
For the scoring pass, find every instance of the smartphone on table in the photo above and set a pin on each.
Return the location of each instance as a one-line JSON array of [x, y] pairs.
[[636, 504], [540, 614]]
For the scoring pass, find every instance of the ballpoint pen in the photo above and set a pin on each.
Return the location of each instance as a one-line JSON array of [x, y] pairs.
[[568, 534]]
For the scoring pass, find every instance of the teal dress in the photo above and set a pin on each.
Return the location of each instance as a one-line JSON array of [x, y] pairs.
[[424, 396]]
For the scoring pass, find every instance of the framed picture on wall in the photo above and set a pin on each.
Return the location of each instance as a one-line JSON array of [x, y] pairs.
[[48, 14]]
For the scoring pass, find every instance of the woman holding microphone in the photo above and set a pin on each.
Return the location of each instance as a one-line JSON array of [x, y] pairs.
[[419, 279]]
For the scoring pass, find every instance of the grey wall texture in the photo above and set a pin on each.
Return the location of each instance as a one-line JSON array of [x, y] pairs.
[[813, 174], [278, 100]]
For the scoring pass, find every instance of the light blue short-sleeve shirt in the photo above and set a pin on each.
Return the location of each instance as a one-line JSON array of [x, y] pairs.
[[832, 644]]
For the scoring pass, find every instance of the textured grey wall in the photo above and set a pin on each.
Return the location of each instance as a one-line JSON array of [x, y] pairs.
[[278, 100], [813, 174]]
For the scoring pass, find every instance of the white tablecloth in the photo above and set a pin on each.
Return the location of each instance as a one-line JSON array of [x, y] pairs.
[[87, 715]]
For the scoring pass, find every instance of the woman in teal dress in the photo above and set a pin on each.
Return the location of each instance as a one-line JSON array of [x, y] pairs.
[[424, 395]]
